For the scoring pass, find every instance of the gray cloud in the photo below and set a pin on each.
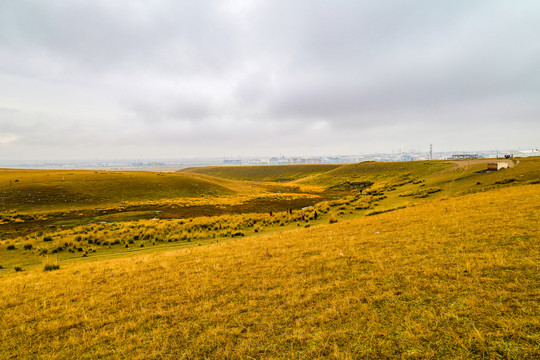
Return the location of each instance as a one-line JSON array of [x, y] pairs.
[[186, 78]]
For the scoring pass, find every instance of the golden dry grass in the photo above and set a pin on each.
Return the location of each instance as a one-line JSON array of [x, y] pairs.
[[48, 190], [280, 173], [381, 173], [455, 279]]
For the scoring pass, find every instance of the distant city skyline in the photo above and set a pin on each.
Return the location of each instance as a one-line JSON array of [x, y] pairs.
[[172, 164], [180, 79]]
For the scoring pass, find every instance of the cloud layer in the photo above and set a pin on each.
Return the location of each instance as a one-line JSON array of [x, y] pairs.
[[202, 78]]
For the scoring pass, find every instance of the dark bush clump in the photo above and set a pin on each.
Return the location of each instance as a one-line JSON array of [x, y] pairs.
[[11, 247], [27, 246], [57, 249], [51, 267], [47, 238], [18, 269], [505, 181]]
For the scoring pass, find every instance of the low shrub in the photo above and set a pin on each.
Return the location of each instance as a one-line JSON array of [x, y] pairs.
[[376, 212], [362, 207], [505, 181], [51, 267]]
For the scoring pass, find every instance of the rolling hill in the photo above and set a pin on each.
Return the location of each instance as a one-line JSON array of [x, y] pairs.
[[279, 173], [43, 189]]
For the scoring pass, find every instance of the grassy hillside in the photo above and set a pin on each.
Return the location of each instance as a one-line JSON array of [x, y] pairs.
[[379, 172], [34, 202], [463, 179], [452, 279], [108, 228], [401, 182], [281, 173], [48, 189]]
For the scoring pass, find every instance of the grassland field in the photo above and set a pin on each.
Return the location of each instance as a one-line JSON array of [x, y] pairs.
[[277, 173], [424, 259]]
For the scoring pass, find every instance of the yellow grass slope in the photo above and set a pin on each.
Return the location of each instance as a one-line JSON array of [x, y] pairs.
[[454, 279], [282, 173], [378, 172], [51, 189]]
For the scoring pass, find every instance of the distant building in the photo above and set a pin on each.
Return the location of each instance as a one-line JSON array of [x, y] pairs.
[[464, 156], [497, 166], [527, 153], [314, 161], [407, 158], [256, 162], [296, 160], [232, 161]]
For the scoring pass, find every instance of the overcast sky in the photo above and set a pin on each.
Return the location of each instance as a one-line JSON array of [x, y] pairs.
[[169, 79]]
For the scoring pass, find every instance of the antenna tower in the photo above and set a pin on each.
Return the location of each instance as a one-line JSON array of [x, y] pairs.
[[430, 151]]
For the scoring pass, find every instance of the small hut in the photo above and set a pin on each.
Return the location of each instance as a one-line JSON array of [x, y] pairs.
[[494, 166]]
